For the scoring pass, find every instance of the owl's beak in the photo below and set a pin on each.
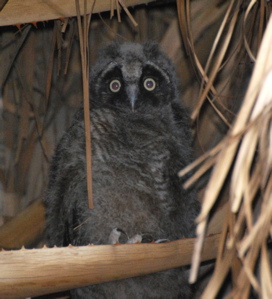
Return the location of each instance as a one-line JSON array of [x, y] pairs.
[[132, 94]]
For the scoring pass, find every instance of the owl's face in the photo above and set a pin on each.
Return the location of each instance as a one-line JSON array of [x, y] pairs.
[[133, 77]]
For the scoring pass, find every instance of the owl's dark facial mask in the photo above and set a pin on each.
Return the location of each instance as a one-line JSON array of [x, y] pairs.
[[133, 86]]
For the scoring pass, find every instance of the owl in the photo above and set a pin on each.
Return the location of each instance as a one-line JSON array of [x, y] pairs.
[[140, 140]]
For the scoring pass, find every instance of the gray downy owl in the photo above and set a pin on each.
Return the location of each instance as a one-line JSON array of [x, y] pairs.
[[140, 140]]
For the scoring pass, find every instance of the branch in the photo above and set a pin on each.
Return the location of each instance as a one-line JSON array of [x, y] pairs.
[[37, 272]]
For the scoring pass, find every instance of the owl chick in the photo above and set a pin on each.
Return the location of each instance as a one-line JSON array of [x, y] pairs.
[[140, 140]]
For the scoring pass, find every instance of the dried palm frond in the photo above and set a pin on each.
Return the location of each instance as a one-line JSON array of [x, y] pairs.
[[246, 154], [242, 20], [118, 4], [83, 30]]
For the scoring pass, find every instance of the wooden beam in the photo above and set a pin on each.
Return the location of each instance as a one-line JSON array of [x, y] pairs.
[[23, 229], [28, 11], [27, 273]]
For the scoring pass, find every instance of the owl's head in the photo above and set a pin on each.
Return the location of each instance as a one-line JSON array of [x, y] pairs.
[[133, 77]]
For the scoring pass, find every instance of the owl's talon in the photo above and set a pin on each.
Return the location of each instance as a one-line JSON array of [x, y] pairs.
[[162, 240]]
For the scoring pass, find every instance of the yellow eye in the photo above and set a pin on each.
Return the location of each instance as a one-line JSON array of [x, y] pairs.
[[149, 84], [115, 85]]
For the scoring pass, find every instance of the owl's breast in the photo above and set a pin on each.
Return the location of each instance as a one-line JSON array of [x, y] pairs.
[[130, 181]]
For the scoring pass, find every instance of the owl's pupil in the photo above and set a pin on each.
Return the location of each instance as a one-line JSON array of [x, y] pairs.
[[149, 84], [115, 85]]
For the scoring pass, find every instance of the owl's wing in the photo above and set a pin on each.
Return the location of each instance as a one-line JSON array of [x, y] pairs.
[[183, 121], [67, 167]]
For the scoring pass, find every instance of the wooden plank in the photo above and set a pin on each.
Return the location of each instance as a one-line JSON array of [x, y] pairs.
[[28, 11], [24, 228], [36, 272]]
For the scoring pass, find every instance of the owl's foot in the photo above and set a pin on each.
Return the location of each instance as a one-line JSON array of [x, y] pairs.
[[143, 238], [116, 234]]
